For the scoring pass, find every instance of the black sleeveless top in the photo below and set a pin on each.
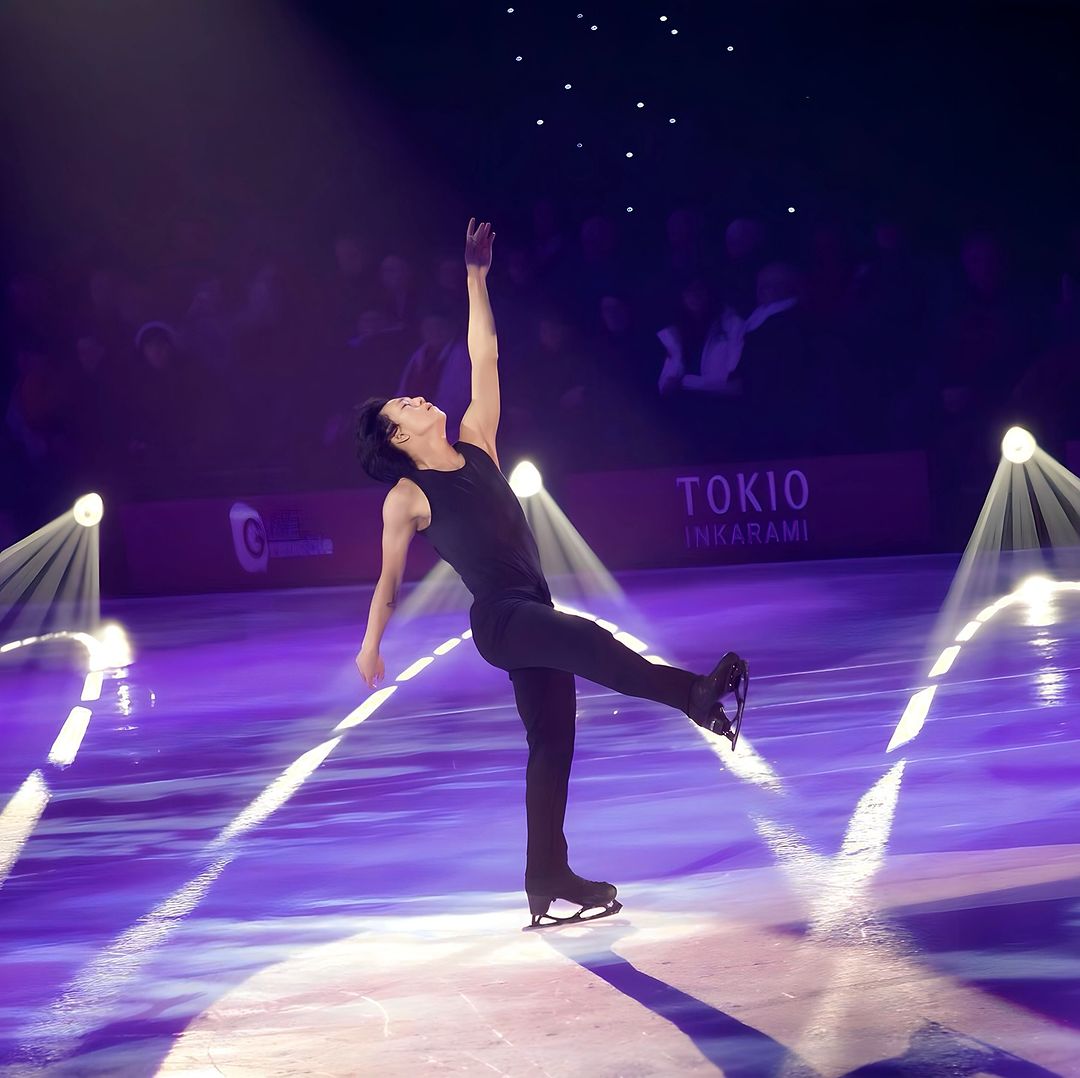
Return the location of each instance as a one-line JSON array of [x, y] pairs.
[[478, 526]]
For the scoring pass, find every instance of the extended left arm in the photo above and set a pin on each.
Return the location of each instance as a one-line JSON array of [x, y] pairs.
[[481, 419]]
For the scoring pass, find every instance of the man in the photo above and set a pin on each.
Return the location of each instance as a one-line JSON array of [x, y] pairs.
[[457, 495]]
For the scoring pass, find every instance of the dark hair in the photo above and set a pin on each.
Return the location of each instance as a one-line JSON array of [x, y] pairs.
[[381, 459]]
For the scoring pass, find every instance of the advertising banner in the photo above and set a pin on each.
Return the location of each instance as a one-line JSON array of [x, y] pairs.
[[766, 511], [651, 518]]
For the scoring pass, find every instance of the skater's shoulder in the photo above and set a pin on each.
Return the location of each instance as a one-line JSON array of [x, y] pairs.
[[404, 502]]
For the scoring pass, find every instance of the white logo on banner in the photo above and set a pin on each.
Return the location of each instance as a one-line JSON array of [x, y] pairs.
[[249, 538], [747, 493]]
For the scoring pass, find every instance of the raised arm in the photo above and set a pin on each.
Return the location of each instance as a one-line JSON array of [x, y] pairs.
[[481, 419]]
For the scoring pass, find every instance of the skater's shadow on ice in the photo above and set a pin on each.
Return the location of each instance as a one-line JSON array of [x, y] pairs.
[[739, 1050]]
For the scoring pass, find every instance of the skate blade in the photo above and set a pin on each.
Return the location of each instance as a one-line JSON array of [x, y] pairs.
[[742, 687], [549, 920]]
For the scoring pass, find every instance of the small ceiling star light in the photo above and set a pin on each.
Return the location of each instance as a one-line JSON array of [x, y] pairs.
[[580, 15], [629, 154], [579, 145], [593, 27], [629, 209], [663, 18], [509, 11], [674, 31], [567, 86], [641, 104], [518, 58], [539, 123], [731, 48], [791, 209], [672, 120]]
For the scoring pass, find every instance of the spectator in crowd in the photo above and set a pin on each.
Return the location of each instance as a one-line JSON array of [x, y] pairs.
[[373, 360], [598, 270], [884, 377], [172, 420], [696, 342], [626, 361], [396, 292], [446, 293], [989, 334], [776, 370], [550, 384], [685, 253], [744, 247], [686, 258], [550, 248], [351, 287], [439, 370], [37, 433], [986, 342], [207, 329]]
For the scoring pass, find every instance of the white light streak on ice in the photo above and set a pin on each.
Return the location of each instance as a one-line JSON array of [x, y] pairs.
[[277, 793], [357, 716], [92, 686], [411, 671], [19, 818], [945, 661], [67, 742], [911, 722]]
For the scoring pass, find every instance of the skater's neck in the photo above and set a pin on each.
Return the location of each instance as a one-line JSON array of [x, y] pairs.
[[434, 455]]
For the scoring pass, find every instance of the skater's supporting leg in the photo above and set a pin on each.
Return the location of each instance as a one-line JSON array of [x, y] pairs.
[[546, 701], [537, 635]]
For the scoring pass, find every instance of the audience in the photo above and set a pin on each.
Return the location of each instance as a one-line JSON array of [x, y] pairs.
[[210, 370]]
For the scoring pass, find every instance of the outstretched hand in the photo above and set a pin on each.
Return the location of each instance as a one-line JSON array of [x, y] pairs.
[[478, 241]]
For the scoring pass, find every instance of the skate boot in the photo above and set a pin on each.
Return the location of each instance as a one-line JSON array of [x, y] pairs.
[[731, 675], [595, 899]]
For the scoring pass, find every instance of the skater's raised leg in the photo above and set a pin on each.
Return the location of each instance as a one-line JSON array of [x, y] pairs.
[[536, 634]]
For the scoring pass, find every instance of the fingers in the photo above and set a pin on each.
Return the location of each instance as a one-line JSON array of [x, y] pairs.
[[479, 233]]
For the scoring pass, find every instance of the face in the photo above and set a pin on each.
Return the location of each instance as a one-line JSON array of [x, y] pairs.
[[350, 256], [615, 313], [683, 228], [598, 238], [436, 331], [984, 264], [552, 334], [394, 272], [742, 238], [695, 297], [91, 352], [776, 282], [158, 352], [414, 416]]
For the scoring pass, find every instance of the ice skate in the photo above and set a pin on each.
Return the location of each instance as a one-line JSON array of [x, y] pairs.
[[596, 900], [730, 675]]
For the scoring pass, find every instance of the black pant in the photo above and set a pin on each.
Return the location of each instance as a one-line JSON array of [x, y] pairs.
[[542, 649]]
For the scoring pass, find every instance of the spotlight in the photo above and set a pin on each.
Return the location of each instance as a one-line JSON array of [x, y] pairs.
[[111, 650], [88, 510], [1017, 446], [525, 480], [1035, 589]]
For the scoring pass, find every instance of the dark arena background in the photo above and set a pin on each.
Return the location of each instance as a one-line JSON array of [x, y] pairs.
[[787, 298]]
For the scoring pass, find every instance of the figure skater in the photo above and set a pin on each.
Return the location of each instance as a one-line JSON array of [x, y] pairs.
[[456, 495]]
